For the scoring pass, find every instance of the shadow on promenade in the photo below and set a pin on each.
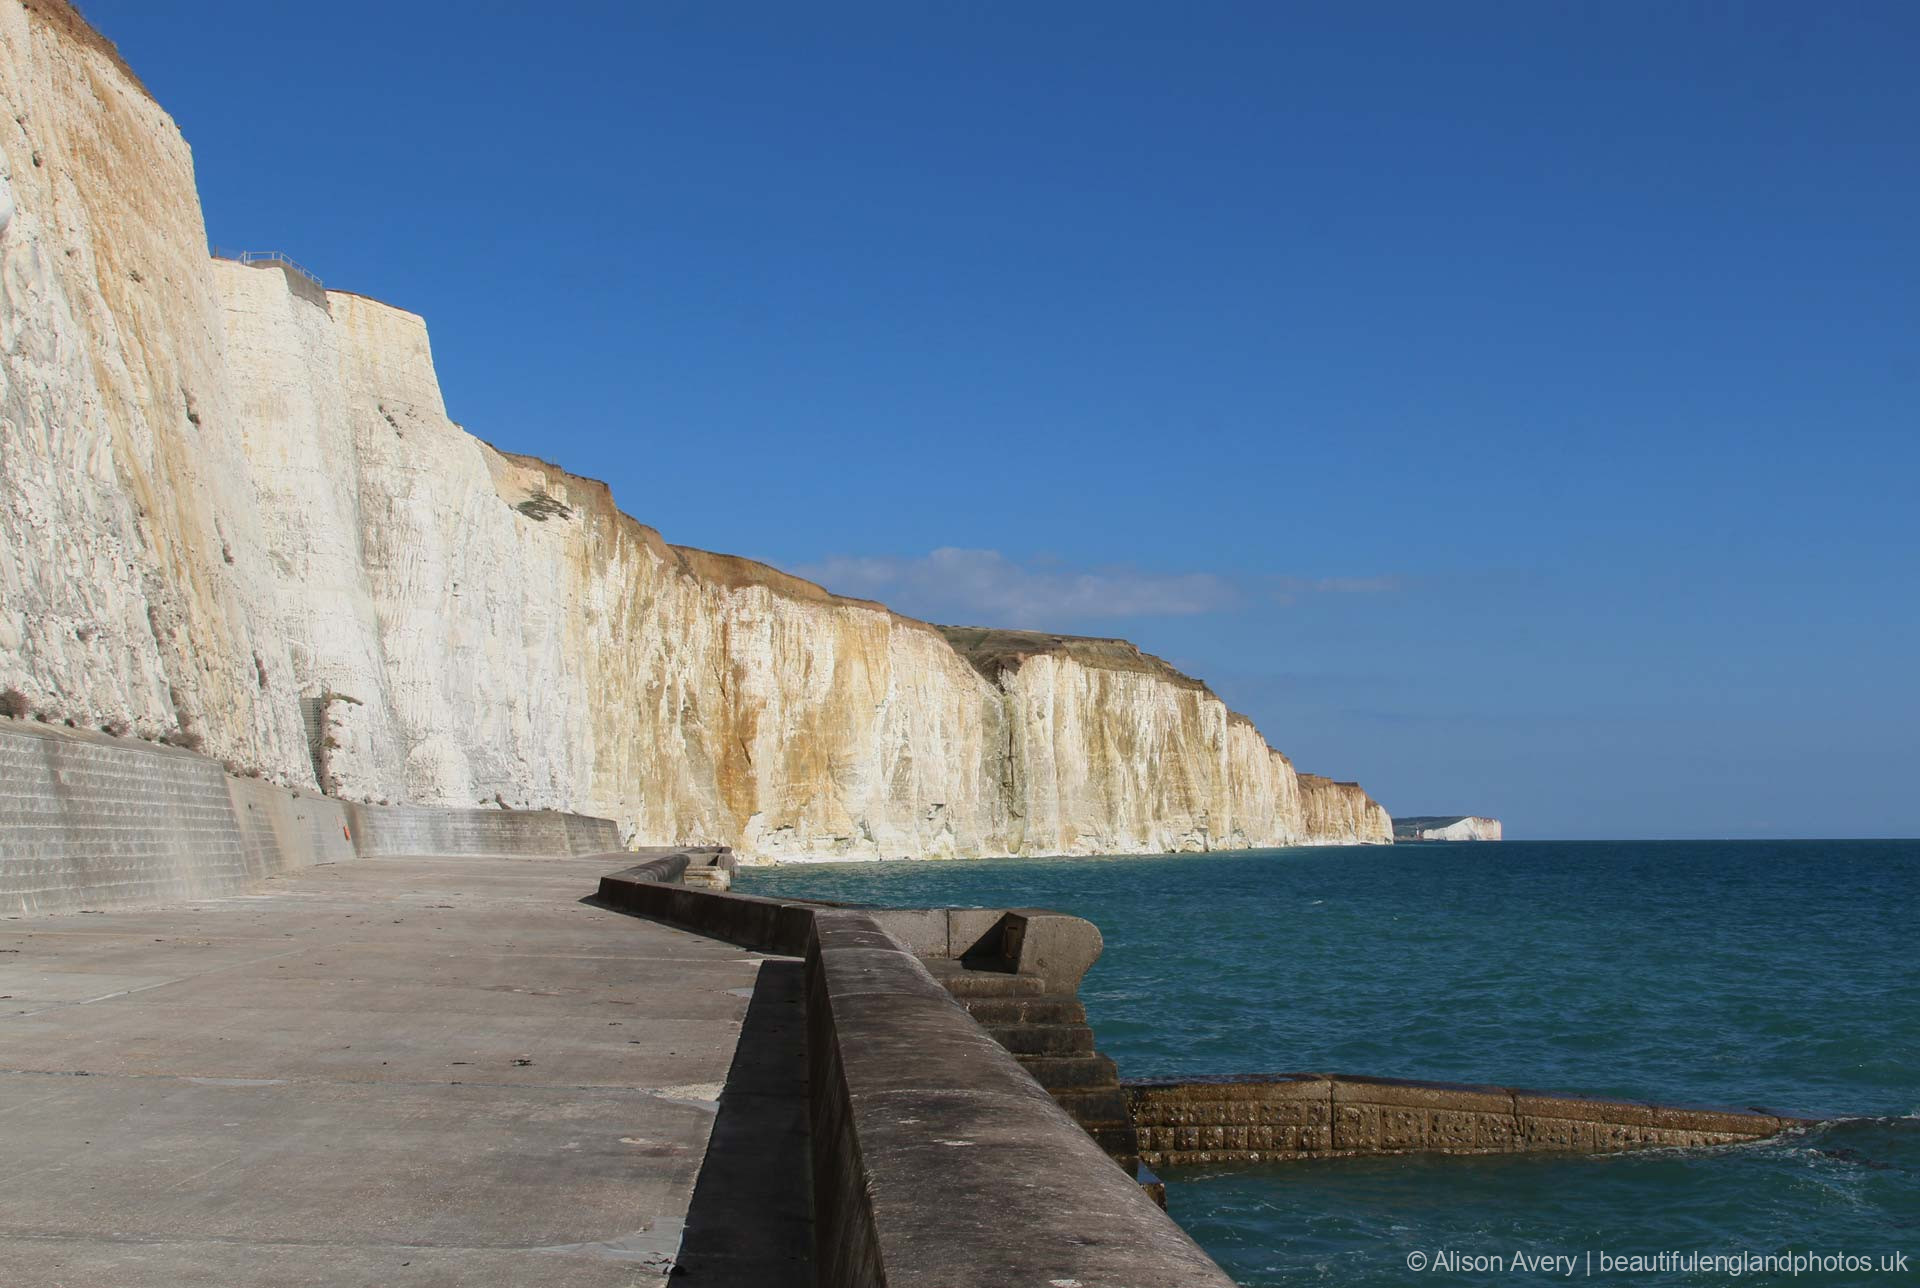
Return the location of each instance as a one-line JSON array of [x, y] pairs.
[[751, 1221]]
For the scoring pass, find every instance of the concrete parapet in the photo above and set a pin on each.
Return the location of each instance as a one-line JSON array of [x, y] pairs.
[[1058, 948], [652, 889], [1304, 1115], [1054, 947], [938, 1160], [1051, 949]]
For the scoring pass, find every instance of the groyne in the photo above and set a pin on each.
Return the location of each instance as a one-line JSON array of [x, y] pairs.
[[1276, 1117], [92, 822]]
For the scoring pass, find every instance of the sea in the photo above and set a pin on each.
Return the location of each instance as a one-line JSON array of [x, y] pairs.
[[1776, 974]]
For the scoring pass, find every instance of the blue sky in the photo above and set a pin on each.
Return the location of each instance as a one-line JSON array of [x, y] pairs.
[[1510, 406]]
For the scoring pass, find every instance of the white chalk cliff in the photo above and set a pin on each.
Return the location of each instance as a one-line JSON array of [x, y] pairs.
[[232, 504], [1447, 827]]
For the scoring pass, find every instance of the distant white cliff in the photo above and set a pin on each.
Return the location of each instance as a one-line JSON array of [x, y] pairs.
[[1446, 827], [234, 512]]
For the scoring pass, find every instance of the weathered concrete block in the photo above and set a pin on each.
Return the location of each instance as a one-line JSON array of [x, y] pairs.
[[973, 930], [922, 931], [1468, 1097], [1461, 1131], [1598, 1109], [1294, 1113], [1060, 949], [1739, 1124], [1306, 1138]]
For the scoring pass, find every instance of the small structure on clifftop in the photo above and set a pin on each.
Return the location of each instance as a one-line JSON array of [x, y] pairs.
[[1446, 827]]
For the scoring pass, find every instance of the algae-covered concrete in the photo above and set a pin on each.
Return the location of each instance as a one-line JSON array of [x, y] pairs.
[[398, 1071], [1281, 1116]]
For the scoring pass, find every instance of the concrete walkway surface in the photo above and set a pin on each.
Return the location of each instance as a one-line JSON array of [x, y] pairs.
[[416, 1071]]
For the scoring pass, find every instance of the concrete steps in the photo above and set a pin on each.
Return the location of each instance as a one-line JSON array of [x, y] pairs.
[[1120, 1142], [1049, 1035], [965, 984], [1097, 1106], [992, 1012], [1043, 1039], [1072, 1072]]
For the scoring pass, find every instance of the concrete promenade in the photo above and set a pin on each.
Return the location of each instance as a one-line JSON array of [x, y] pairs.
[[404, 1071]]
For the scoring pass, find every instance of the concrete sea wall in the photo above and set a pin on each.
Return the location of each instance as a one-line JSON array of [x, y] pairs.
[[379, 831], [937, 1160], [89, 821]]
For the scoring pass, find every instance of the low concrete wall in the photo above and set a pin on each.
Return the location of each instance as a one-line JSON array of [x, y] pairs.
[[1314, 1115], [938, 1161], [381, 831], [652, 890], [1056, 948], [712, 866], [282, 829], [89, 821]]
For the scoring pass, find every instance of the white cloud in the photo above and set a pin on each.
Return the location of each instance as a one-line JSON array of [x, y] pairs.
[[984, 587]]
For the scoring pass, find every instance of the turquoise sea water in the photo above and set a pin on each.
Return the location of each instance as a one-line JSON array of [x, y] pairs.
[[1775, 974]]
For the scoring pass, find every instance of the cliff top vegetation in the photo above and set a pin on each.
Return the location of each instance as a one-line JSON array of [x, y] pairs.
[[65, 18]]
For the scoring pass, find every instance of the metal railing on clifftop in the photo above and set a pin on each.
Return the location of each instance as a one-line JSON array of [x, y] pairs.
[[268, 257]]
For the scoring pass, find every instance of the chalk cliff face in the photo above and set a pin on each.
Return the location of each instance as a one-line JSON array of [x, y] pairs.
[[234, 503], [1112, 750], [132, 583]]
